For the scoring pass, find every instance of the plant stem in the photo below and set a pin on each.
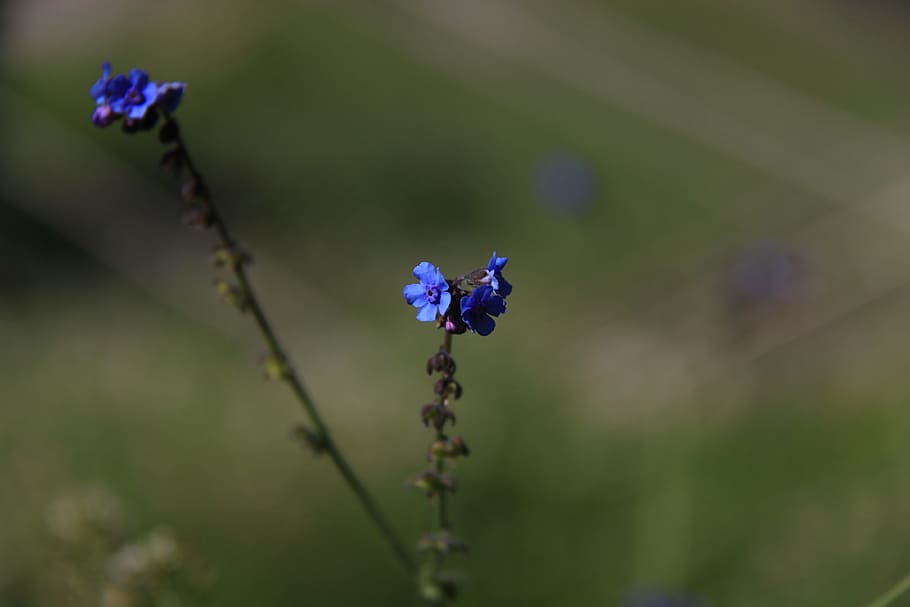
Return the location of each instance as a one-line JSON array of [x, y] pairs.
[[898, 589], [443, 513], [325, 440]]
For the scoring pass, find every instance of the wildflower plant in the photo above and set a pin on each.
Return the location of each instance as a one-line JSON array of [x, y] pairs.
[[140, 102], [468, 303]]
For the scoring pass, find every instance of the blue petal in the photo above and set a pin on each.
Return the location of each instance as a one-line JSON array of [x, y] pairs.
[[413, 292], [97, 90], [481, 294], [465, 304], [427, 313], [473, 301], [495, 305], [483, 324], [117, 87], [444, 300], [138, 78], [497, 263], [150, 92], [504, 288], [138, 111], [424, 272], [440, 281], [169, 95]]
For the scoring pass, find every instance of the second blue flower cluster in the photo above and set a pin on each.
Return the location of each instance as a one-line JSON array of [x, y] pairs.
[[467, 303], [134, 98]]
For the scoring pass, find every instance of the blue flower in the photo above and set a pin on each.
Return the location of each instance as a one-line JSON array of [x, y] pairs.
[[494, 275], [98, 92], [139, 98], [169, 95], [430, 295], [479, 306], [106, 92]]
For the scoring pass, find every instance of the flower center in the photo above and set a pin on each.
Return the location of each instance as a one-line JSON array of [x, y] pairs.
[[135, 97], [433, 294]]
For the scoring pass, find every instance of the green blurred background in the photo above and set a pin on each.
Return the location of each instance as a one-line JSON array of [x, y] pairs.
[[700, 385]]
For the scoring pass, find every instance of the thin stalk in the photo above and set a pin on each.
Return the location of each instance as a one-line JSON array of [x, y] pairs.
[[894, 592], [325, 441], [442, 508]]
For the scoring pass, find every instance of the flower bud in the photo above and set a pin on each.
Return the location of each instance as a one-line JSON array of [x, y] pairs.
[[447, 385], [231, 294], [172, 160], [104, 115], [432, 483], [455, 325], [441, 542], [480, 277], [194, 190], [435, 587], [448, 448], [453, 322], [231, 256], [457, 446], [148, 121], [275, 367], [441, 362], [168, 132], [436, 414], [199, 217]]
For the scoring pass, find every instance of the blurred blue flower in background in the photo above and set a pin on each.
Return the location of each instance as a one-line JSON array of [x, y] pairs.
[[765, 272], [138, 98], [105, 92], [565, 185], [430, 295], [169, 95], [135, 97]]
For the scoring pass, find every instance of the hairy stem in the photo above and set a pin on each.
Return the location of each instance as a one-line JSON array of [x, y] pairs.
[[323, 438]]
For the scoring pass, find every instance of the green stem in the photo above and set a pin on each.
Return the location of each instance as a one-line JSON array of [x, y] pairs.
[[898, 589], [326, 442]]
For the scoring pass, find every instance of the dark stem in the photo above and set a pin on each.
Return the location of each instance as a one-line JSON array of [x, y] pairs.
[[443, 510], [325, 440]]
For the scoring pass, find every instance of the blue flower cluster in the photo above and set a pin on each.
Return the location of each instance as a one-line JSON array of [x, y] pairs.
[[467, 303], [134, 98]]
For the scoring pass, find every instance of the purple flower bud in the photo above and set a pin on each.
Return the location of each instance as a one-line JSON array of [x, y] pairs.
[[442, 362], [436, 414], [104, 116], [169, 95]]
